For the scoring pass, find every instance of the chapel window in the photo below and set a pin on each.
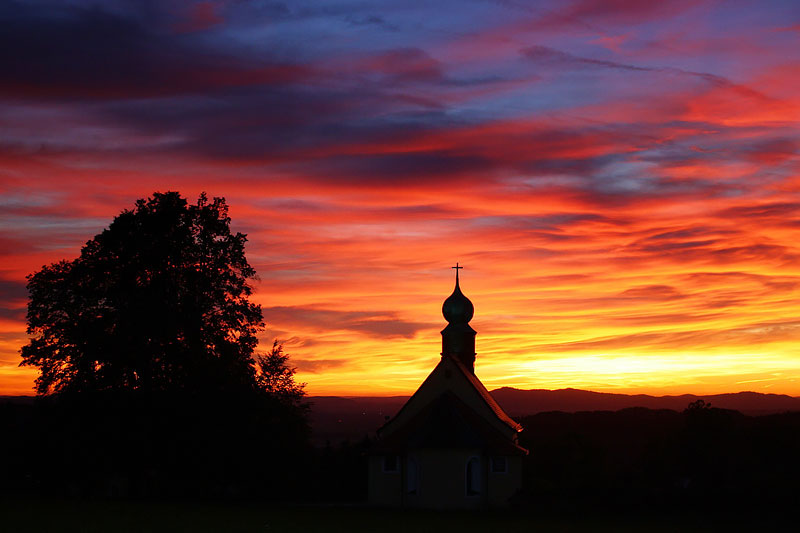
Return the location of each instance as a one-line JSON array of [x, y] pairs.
[[412, 475], [473, 476]]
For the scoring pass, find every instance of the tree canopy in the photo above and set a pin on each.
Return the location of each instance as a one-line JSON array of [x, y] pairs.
[[159, 301]]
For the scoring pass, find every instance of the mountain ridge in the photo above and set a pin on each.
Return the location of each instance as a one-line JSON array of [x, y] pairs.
[[521, 402], [337, 418], [341, 418]]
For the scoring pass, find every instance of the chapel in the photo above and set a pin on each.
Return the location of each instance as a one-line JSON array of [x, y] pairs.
[[451, 445]]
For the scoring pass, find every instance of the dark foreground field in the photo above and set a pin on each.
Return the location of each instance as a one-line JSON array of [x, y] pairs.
[[703, 469], [63, 516]]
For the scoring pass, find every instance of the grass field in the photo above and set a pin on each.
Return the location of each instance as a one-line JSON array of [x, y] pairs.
[[25, 516]]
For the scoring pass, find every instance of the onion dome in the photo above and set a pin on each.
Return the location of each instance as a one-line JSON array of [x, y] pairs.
[[457, 309]]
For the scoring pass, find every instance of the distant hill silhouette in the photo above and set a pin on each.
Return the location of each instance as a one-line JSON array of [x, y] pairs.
[[528, 402], [25, 400], [335, 418]]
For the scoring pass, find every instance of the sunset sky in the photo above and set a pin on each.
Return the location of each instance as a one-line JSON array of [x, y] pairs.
[[620, 179]]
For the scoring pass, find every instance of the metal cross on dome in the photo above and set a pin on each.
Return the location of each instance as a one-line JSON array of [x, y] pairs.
[[457, 269]]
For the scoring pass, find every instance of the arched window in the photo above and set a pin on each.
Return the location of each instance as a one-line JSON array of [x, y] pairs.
[[473, 476], [412, 475]]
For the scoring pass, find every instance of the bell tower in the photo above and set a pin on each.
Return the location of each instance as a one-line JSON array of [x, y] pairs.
[[458, 338]]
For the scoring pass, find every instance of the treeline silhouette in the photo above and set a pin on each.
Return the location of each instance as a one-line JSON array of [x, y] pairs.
[[638, 458], [112, 446], [633, 459], [695, 459]]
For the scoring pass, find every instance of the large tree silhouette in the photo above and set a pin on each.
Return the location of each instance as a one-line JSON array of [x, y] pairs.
[[158, 302], [150, 386]]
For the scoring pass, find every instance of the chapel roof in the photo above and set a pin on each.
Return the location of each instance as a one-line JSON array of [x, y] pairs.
[[486, 396], [483, 395], [454, 376], [448, 422]]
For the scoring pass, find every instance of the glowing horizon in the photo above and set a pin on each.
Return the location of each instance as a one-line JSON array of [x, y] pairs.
[[620, 180]]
